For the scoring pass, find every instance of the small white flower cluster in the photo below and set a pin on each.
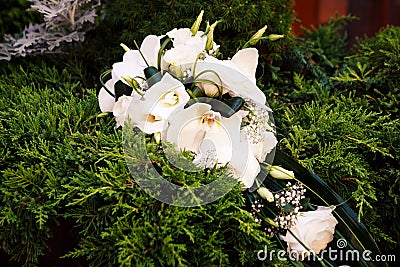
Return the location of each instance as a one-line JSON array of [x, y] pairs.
[[256, 207], [291, 195], [257, 122]]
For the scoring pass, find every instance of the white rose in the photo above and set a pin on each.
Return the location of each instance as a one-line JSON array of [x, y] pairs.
[[314, 229]]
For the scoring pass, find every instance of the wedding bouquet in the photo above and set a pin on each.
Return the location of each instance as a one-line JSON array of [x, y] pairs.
[[207, 116]]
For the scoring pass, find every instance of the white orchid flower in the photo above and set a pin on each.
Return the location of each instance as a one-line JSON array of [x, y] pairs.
[[120, 109], [106, 100], [214, 139], [133, 63], [132, 66], [150, 113], [237, 75]]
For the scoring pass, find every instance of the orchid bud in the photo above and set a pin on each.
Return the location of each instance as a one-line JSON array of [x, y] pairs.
[[281, 173], [176, 70], [125, 47], [210, 36], [196, 24], [274, 37], [157, 137], [132, 82], [257, 36], [265, 194]]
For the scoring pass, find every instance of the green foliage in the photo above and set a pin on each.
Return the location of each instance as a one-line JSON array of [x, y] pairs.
[[341, 142], [126, 21], [64, 165], [304, 71], [374, 70], [341, 120], [327, 44]]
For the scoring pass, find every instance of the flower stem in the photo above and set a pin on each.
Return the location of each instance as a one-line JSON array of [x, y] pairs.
[[138, 48]]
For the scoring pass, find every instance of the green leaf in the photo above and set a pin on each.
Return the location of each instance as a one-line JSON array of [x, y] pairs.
[[152, 75]]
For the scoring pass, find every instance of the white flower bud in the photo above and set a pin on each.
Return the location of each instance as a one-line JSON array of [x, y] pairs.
[[157, 137], [257, 36], [265, 194], [281, 173], [196, 24], [274, 37], [210, 36], [125, 47]]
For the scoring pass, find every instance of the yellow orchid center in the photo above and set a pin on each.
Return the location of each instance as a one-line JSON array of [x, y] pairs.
[[170, 98], [151, 118], [210, 119]]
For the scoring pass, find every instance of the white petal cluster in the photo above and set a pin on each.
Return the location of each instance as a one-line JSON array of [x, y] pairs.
[[240, 142]]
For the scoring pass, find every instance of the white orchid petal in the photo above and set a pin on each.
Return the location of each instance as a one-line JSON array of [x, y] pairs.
[[154, 97], [179, 36], [149, 48], [185, 127], [140, 117], [232, 79], [133, 57], [262, 149], [207, 154], [120, 109], [133, 63], [246, 61], [152, 127], [106, 101], [245, 166], [182, 55], [222, 143], [129, 68], [198, 41]]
